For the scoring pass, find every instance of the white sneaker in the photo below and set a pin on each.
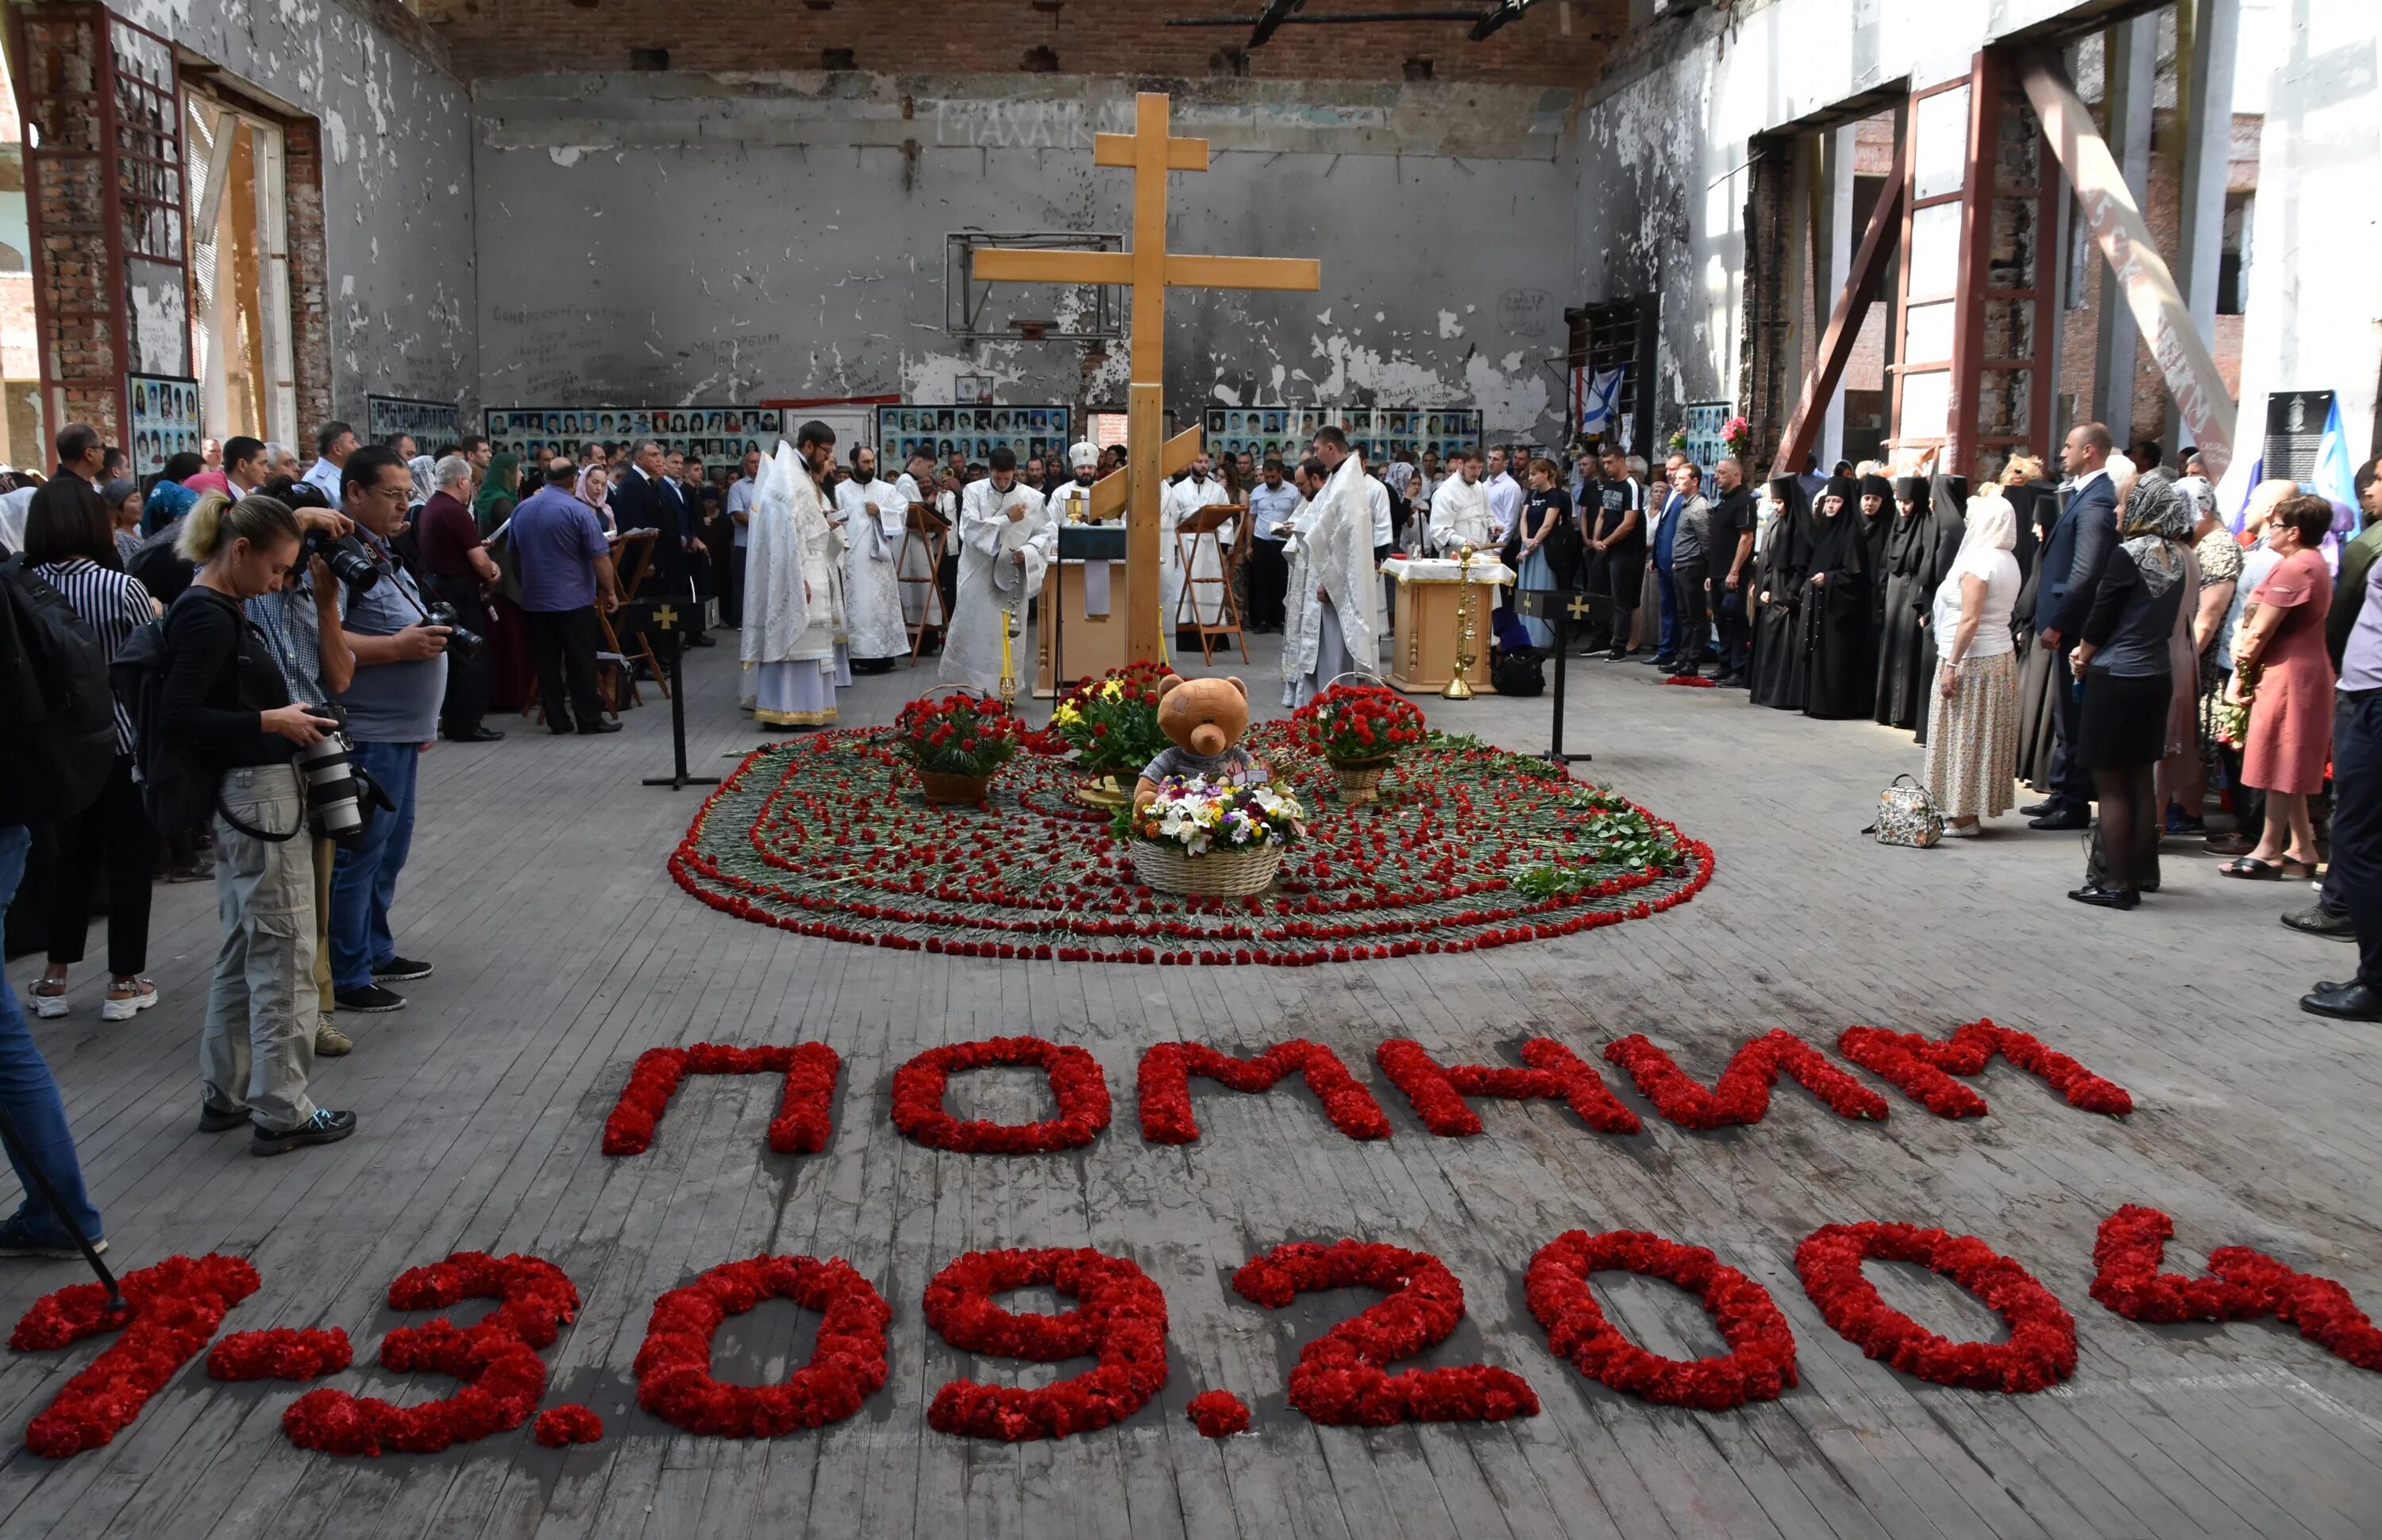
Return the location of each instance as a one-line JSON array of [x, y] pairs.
[[49, 1008], [1963, 831], [112, 1009]]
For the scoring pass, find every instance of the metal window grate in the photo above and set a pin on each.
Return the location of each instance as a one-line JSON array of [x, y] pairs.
[[1032, 313]]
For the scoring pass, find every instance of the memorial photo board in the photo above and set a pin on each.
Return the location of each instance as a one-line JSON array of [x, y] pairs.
[[1706, 420], [715, 433], [165, 418], [1377, 432], [973, 431], [431, 423]]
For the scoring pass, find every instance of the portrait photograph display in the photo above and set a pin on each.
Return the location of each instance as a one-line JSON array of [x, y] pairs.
[[431, 423], [1377, 432], [716, 435], [973, 431], [164, 418]]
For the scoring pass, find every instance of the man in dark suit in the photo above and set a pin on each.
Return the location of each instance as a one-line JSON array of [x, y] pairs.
[[2072, 557], [74, 486], [694, 554], [642, 500]]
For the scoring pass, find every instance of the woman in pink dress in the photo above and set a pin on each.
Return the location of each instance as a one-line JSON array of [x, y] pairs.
[[2282, 647]]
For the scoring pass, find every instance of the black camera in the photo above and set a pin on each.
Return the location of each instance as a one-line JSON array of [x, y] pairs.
[[460, 642], [349, 562]]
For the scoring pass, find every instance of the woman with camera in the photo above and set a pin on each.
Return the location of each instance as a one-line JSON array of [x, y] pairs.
[[222, 697]]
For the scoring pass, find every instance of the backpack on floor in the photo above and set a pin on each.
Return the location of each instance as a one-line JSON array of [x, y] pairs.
[[1519, 671], [1907, 815], [55, 706]]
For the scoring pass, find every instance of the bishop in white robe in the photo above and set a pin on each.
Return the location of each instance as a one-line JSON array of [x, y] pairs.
[[1006, 542], [792, 591], [874, 513], [1335, 589]]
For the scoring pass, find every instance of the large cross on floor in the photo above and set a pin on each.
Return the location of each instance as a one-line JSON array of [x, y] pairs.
[[1148, 270]]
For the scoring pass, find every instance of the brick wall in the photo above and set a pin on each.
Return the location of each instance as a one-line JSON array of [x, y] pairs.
[[1088, 37], [310, 308], [66, 213]]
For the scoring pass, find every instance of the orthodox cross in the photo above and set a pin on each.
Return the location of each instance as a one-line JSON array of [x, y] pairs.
[[1148, 270]]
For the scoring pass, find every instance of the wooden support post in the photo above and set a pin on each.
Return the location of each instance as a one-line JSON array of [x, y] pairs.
[[1870, 265]]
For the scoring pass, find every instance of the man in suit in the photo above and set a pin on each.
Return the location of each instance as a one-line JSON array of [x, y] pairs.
[[2072, 558], [642, 500]]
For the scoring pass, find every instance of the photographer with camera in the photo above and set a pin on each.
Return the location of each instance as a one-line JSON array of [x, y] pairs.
[[300, 623], [222, 701], [392, 710]]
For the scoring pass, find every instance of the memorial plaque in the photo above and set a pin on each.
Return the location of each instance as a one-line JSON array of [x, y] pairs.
[[2295, 422]]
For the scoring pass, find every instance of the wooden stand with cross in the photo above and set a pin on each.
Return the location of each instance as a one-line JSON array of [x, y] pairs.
[[1560, 610], [1148, 270], [662, 615]]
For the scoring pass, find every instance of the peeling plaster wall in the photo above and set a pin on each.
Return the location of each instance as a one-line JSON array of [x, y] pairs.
[[678, 237], [1663, 147], [397, 183]]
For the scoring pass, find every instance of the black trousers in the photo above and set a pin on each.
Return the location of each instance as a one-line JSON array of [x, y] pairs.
[[2357, 822], [467, 677], [1269, 583], [1736, 636], [1692, 643], [2071, 784], [562, 647], [111, 837], [731, 598]]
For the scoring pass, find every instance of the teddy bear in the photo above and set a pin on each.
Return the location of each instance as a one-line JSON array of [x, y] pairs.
[[1203, 719]]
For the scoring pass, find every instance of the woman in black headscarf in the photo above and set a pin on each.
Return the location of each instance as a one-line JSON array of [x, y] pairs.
[[1948, 526], [1878, 523], [1901, 688], [1777, 589], [1835, 606]]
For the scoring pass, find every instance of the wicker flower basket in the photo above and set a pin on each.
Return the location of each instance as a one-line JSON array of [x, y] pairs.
[[944, 790], [1217, 875], [1360, 782]]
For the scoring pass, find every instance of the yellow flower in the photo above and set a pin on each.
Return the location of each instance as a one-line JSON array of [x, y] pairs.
[[1066, 716]]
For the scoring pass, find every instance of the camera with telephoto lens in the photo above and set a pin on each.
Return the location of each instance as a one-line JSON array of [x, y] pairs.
[[460, 642], [340, 796], [349, 562]]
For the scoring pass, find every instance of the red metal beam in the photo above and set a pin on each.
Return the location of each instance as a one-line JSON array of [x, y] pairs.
[[1843, 326]]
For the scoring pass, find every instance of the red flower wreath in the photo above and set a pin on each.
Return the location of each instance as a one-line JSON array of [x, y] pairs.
[[2242, 1283], [1218, 1413], [1122, 1317], [280, 1353], [496, 1356], [1759, 1365], [1075, 1080], [170, 1311], [805, 1118], [1437, 1091], [1165, 1086], [1341, 1376], [1742, 1092], [568, 1424], [1923, 1068], [2042, 1347], [847, 1366]]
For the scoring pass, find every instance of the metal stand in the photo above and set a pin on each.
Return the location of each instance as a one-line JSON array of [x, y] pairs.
[[662, 616], [40, 1180], [1562, 609]]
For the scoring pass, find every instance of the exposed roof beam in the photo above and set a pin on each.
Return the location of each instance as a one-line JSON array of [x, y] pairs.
[[1276, 12], [1498, 15]]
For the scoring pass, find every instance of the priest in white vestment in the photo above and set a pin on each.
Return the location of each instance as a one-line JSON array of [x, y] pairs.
[[1460, 513], [873, 514], [1006, 541], [1336, 588], [792, 588], [1185, 498], [1070, 501], [922, 595]]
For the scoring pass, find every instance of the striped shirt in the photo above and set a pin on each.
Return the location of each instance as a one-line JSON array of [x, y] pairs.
[[111, 603]]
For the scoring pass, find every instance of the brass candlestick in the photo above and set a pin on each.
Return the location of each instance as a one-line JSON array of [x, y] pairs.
[[1460, 687]]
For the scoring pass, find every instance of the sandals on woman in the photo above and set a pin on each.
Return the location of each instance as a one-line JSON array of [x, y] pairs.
[[123, 1008], [2251, 869]]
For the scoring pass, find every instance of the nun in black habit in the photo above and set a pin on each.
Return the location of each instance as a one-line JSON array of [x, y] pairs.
[[1835, 623], [1901, 688], [1948, 526], [1777, 589], [1878, 523]]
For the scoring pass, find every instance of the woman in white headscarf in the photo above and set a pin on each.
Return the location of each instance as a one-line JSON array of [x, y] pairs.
[[1972, 711]]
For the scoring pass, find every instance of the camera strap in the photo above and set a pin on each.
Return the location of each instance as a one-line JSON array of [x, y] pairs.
[[267, 836]]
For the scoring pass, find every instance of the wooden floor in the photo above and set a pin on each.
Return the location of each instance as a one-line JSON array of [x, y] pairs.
[[537, 886]]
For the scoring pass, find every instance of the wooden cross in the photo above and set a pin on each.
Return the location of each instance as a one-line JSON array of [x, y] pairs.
[[1148, 270]]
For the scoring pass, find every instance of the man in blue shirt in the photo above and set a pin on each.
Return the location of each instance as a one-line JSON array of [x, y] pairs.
[[1268, 569], [392, 707], [559, 547], [1666, 532]]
